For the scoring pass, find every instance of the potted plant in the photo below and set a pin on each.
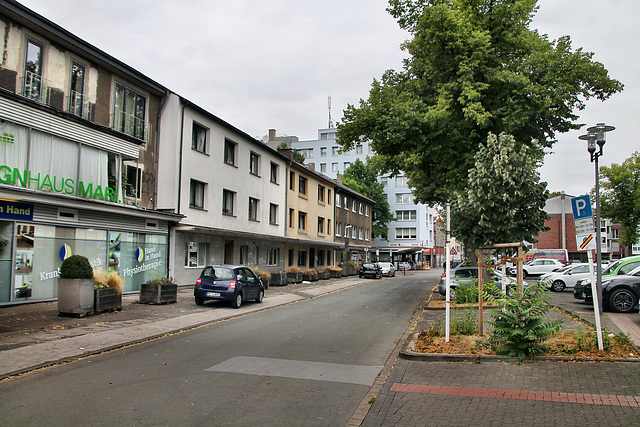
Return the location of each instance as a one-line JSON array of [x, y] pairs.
[[324, 275], [294, 275], [334, 271], [278, 278], [163, 290], [264, 276], [107, 291], [75, 287], [351, 268], [310, 275]]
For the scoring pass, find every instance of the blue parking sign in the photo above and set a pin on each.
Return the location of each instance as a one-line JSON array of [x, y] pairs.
[[581, 207]]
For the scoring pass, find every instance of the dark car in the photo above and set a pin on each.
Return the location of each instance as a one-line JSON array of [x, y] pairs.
[[623, 266], [370, 270], [233, 283], [619, 293]]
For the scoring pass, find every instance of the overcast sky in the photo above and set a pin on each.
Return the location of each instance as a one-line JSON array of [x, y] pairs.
[[273, 64]]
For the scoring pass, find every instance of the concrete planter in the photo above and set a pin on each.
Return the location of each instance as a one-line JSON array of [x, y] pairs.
[[75, 297], [151, 293]]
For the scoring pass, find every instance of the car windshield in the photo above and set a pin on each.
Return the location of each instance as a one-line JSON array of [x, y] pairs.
[[610, 268]]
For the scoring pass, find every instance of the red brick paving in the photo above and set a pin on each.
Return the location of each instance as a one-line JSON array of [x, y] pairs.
[[545, 396]]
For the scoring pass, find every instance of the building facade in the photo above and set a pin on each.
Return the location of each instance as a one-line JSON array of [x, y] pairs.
[[77, 161], [353, 225]]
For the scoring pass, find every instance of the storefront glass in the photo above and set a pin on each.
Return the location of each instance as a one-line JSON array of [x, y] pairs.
[[6, 249], [137, 257]]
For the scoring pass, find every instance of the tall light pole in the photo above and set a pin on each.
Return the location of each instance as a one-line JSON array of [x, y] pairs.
[[597, 135]]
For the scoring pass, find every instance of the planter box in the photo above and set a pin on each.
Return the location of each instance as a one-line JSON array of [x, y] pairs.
[[309, 278], [107, 299], [75, 297], [335, 274], [324, 275], [295, 277], [344, 272], [278, 279], [351, 270], [158, 294]]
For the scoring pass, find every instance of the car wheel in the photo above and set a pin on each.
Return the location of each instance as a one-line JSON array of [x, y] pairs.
[[524, 274], [557, 286], [622, 300], [199, 301], [260, 296], [237, 302]]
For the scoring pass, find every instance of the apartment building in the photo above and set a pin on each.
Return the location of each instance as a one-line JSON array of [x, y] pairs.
[[412, 235], [77, 160], [229, 187], [353, 224]]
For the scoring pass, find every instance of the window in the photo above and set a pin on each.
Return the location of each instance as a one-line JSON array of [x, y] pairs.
[[405, 233], [404, 199], [354, 232], [366, 210], [230, 152], [253, 209], [346, 203], [406, 215], [401, 181], [360, 233], [320, 256], [273, 257], [302, 221], [196, 254], [273, 214], [129, 112], [329, 196], [346, 165], [359, 149], [199, 138], [33, 71], [360, 208], [323, 151], [334, 167], [227, 202], [320, 225], [133, 176], [320, 193], [366, 234], [323, 167], [76, 90], [302, 185], [290, 257], [338, 229], [302, 258], [353, 206], [328, 226], [244, 254], [196, 194], [338, 198], [307, 153], [292, 181], [273, 176], [383, 181], [292, 215], [335, 151], [254, 164]]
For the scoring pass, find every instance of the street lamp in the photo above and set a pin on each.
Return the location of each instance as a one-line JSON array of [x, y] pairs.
[[597, 135]]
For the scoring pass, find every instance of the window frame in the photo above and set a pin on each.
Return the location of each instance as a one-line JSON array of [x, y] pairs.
[[194, 185], [230, 152], [228, 195], [302, 221], [273, 214], [254, 163], [302, 185], [254, 207], [194, 134]]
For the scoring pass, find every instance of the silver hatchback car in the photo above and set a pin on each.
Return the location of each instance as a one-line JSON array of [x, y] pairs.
[[387, 269]]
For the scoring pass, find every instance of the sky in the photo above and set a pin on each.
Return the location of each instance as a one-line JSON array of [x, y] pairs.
[[263, 65]]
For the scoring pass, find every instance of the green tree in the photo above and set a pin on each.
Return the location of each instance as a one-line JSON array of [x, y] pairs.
[[620, 197], [503, 199], [297, 156], [361, 178], [474, 67]]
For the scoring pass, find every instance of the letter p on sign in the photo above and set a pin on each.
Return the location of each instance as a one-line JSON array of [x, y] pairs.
[[581, 207]]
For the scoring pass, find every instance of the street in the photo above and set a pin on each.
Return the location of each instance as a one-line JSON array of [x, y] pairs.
[[308, 363]]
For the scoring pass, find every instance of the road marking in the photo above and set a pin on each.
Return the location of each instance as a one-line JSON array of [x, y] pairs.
[[332, 372]]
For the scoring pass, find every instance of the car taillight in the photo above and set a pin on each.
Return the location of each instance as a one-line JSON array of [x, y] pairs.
[[232, 285], [199, 281]]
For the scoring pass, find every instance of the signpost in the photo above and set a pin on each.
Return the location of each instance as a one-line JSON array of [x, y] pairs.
[[586, 241]]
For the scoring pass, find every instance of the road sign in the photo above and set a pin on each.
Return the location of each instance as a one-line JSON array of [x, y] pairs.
[[586, 242], [581, 207], [584, 226]]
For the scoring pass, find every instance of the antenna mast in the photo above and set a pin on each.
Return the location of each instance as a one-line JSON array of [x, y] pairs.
[[330, 121]]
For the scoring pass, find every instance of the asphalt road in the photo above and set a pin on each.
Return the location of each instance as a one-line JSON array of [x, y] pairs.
[[308, 363]]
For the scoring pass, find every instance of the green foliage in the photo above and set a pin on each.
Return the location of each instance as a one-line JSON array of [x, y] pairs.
[[161, 281], [620, 197], [473, 67], [76, 267], [465, 325], [297, 156], [503, 199], [363, 179], [519, 327], [469, 294]]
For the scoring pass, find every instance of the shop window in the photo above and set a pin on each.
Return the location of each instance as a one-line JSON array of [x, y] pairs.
[[302, 258], [196, 254], [320, 256]]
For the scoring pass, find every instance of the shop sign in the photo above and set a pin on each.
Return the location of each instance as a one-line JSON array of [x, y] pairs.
[[153, 257], [56, 184], [16, 210]]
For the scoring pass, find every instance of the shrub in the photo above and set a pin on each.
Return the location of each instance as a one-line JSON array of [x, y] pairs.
[[334, 268], [465, 325], [293, 270], [466, 294], [161, 281], [264, 275], [114, 280], [100, 278], [76, 267], [310, 272], [519, 328]]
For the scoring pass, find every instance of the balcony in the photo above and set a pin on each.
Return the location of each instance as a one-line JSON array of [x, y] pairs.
[[131, 125], [34, 87], [80, 105]]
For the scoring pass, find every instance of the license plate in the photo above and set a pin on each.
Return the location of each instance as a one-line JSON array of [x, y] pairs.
[[213, 294]]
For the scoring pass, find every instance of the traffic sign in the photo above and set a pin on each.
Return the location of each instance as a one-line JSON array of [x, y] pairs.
[[584, 226], [586, 242], [581, 207]]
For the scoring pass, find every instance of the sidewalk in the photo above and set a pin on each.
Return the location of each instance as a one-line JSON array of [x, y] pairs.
[[34, 336]]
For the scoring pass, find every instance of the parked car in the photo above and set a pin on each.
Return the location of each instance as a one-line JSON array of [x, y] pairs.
[[370, 270], [623, 266], [387, 269], [467, 276], [235, 283], [404, 266], [620, 293], [537, 267], [566, 277]]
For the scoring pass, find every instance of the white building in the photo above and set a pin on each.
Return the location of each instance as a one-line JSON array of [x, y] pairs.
[[412, 234]]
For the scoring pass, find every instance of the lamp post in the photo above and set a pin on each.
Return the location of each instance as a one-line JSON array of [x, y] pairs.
[[597, 135]]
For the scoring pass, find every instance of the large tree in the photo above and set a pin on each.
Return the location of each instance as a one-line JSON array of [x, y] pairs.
[[503, 199], [474, 67], [361, 178], [620, 197]]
